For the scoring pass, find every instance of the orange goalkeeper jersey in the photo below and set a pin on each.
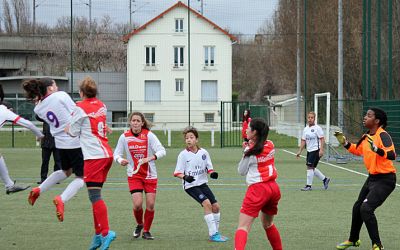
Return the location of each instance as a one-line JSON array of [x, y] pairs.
[[374, 162]]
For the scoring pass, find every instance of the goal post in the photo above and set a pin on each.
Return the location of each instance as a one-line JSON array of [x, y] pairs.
[[328, 117], [328, 112]]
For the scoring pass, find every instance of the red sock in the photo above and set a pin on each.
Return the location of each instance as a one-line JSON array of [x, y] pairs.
[[274, 237], [138, 214], [148, 220], [97, 228], [240, 239], [100, 209]]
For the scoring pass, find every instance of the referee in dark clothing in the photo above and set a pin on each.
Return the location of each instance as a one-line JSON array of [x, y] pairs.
[[48, 147]]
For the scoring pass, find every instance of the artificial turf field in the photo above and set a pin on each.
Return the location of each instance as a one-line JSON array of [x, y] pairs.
[[318, 219]]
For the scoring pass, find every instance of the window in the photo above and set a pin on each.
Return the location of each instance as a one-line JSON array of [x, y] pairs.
[[178, 57], [149, 116], [209, 52], [209, 117], [150, 56], [209, 91], [152, 91], [179, 85], [179, 25]]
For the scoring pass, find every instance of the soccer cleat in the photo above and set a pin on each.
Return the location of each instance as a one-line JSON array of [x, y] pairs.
[[326, 183], [59, 208], [33, 195], [147, 236], [137, 231], [347, 244], [306, 188], [217, 237], [106, 240], [377, 247], [15, 188], [96, 242]]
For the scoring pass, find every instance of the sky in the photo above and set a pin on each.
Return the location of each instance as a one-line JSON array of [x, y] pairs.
[[239, 16]]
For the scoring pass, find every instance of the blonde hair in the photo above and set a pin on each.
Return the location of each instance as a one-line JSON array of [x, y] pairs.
[[88, 87]]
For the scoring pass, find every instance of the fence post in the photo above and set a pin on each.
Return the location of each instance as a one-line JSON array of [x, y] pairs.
[[12, 135], [169, 137], [212, 137]]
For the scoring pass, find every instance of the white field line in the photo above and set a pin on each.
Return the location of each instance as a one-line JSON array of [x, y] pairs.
[[333, 165], [219, 184]]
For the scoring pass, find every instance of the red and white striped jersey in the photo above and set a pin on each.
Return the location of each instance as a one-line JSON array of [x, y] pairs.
[[196, 164], [145, 144], [56, 110], [89, 123], [261, 167], [8, 115]]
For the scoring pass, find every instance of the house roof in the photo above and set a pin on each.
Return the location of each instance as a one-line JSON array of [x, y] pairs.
[[178, 4]]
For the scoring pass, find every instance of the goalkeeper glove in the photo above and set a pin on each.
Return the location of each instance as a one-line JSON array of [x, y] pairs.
[[214, 175], [371, 143], [189, 178], [340, 137]]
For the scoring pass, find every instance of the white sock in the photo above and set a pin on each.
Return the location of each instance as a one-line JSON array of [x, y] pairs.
[[209, 218], [52, 180], [4, 173], [319, 174], [217, 218], [310, 176], [72, 189]]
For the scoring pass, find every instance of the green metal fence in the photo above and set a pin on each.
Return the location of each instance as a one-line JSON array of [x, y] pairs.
[[231, 120]]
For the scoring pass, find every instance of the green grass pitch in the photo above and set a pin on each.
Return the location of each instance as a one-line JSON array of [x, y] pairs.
[[307, 220]]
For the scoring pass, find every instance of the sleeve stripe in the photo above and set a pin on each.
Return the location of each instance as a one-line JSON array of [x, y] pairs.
[[177, 173], [16, 120]]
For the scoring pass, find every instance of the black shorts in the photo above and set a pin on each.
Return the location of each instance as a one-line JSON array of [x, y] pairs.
[[312, 159], [72, 158], [201, 193]]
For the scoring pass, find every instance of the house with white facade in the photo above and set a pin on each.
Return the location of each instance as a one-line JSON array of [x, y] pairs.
[[179, 67]]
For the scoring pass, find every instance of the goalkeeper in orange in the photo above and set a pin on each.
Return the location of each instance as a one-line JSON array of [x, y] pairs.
[[376, 147]]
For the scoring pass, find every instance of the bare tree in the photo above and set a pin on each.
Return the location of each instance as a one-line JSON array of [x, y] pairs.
[[8, 20], [21, 15]]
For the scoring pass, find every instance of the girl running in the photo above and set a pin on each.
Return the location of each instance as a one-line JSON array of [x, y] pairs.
[[141, 149], [193, 165], [263, 193]]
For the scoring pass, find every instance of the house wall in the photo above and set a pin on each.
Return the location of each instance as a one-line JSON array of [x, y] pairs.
[[173, 110]]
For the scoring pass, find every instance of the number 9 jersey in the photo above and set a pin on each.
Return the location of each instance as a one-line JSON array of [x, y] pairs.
[[56, 109]]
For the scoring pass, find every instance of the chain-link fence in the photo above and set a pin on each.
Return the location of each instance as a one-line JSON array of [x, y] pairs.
[[177, 60]]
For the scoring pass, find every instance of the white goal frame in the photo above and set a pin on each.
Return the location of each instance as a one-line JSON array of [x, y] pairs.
[[328, 113]]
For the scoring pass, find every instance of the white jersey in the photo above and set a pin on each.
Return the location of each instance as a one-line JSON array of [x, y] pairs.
[[8, 115], [312, 136], [196, 164], [56, 110]]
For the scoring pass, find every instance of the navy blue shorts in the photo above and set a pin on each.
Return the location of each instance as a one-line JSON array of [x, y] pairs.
[[201, 193], [72, 158], [312, 159]]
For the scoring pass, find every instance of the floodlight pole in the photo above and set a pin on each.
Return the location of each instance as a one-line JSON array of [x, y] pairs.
[[72, 57], [188, 52], [298, 80], [340, 65]]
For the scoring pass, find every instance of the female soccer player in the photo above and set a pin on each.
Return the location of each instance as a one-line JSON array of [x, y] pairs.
[[55, 107], [377, 149], [246, 120], [142, 148], [193, 165], [89, 123], [8, 115], [263, 193], [313, 138]]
